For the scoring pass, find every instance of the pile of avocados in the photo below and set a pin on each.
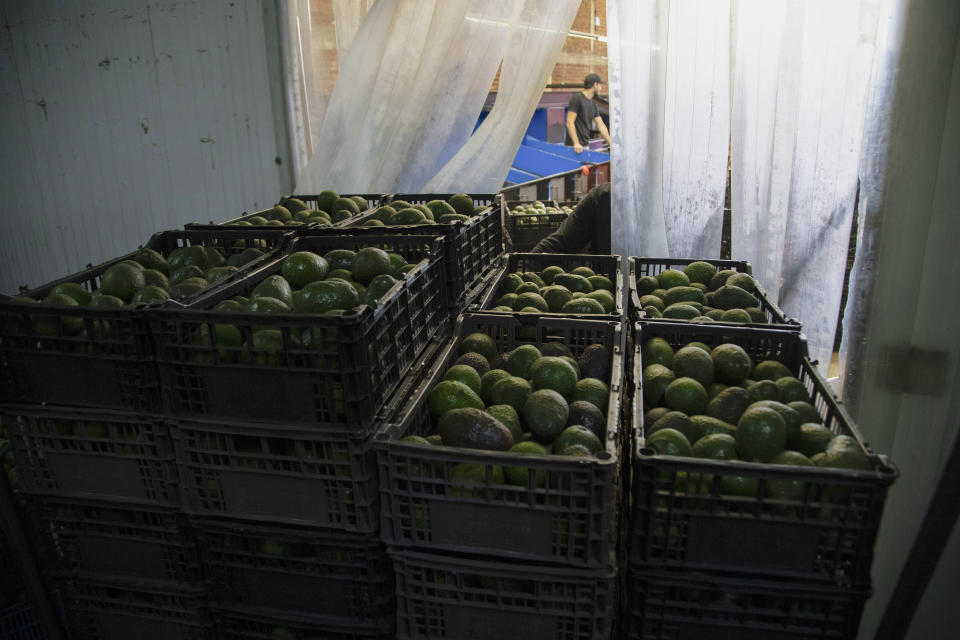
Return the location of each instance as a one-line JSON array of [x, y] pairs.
[[331, 208], [718, 404], [553, 290], [529, 401], [459, 208], [531, 213], [148, 277], [336, 282], [701, 293]]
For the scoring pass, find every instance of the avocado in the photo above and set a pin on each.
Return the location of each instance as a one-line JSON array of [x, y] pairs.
[[730, 297], [474, 429], [462, 203], [594, 362], [683, 294], [729, 404], [586, 414]]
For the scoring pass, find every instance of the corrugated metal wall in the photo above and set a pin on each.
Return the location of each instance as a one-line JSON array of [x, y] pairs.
[[120, 119]]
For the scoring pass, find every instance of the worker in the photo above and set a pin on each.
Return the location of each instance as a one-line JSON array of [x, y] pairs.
[[582, 111], [586, 230]]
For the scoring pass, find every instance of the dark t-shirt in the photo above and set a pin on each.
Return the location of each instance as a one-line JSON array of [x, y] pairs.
[[586, 110]]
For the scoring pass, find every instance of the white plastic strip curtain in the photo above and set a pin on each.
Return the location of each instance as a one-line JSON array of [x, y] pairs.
[[669, 102], [902, 374], [799, 72], [412, 84], [538, 29], [800, 81]]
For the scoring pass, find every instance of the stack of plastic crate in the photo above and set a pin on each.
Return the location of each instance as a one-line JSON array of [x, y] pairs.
[[729, 548], [484, 558]]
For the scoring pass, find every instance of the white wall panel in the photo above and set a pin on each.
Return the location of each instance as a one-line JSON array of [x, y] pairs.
[[121, 119]]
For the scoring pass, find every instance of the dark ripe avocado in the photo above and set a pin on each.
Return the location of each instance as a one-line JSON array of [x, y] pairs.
[[474, 429], [594, 362], [586, 414]]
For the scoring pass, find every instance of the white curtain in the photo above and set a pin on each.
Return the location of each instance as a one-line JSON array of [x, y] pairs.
[[669, 99], [400, 112], [782, 84], [800, 84]]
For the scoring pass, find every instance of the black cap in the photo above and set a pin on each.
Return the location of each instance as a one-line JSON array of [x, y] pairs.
[[591, 80]]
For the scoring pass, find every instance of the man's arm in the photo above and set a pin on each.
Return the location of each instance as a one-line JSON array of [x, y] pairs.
[[574, 232], [603, 129], [572, 130]]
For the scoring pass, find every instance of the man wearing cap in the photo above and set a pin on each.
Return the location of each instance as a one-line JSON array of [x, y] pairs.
[[581, 111]]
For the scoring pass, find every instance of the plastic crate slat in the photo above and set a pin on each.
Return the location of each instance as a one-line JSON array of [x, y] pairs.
[[80, 453], [277, 474], [453, 597], [321, 572]]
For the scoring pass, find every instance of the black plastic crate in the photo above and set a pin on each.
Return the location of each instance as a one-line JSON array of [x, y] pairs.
[[114, 540], [470, 248], [373, 200], [278, 474], [250, 624], [527, 230], [458, 597], [699, 606], [571, 519], [640, 267], [608, 266], [343, 378], [20, 621], [827, 534], [298, 570], [97, 356], [101, 610], [106, 455]]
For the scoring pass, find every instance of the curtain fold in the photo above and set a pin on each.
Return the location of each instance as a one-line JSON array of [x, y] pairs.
[[800, 83], [538, 29], [400, 117], [670, 127]]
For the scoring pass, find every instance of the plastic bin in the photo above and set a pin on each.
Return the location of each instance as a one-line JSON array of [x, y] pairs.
[[692, 606], [250, 624], [99, 610], [20, 622], [277, 474], [608, 266], [470, 248], [457, 597], [114, 541], [105, 455], [342, 379], [526, 231], [825, 535], [96, 356], [298, 570], [569, 520], [373, 200], [640, 267]]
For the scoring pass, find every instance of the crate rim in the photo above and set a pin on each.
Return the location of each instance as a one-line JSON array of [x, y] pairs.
[[884, 470], [390, 434]]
